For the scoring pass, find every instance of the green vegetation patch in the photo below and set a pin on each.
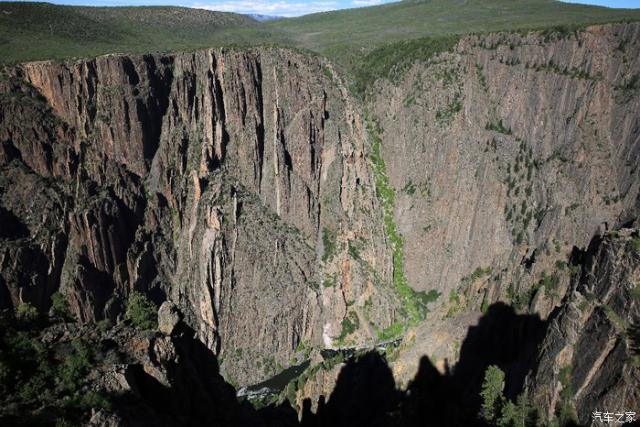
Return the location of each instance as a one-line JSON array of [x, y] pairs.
[[329, 242], [456, 304], [393, 60], [550, 283], [480, 272], [349, 325], [391, 332], [498, 410], [59, 306], [619, 323], [36, 31], [499, 127], [344, 35], [142, 312], [414, 303], [635, 243], [38, 378]]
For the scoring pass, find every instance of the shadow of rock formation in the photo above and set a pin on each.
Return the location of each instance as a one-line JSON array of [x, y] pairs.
[[365, 392]]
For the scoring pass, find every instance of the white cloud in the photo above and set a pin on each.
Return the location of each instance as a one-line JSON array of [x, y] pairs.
[[266, 7]]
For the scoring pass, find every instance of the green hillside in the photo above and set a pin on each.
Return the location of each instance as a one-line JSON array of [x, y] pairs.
[[372, 42], [361, 30], [32, 31]]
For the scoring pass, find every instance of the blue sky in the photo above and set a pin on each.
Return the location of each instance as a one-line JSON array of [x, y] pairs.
[[286, 7]]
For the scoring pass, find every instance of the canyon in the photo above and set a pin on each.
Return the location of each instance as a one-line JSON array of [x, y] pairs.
[[480, 207]]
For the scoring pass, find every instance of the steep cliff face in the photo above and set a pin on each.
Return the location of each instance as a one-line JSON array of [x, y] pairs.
[[507, 155], [510, 151], [234, 183], [589, 358]]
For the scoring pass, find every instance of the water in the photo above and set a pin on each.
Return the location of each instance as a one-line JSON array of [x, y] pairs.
[[275, 384]]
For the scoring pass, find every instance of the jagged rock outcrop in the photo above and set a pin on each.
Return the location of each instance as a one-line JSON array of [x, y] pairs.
[[588, 360], [234, 183], [132, 377]]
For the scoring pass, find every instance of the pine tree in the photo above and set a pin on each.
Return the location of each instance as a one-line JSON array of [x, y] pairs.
[[523, 411], [492, 399], [508, 415]]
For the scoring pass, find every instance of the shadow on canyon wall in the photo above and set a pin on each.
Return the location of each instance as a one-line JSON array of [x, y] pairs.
[[365, 393]]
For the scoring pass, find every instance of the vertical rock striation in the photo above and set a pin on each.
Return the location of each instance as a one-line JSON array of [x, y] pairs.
[[231, 182]]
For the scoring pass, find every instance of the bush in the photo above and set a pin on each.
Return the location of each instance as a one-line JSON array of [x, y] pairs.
[[349, 325], [500, 128], [550, 283], [329, 243], [27, 312], [59, 306], [142, 312], [393, 331], [104, 325], [75, 366], [93, 400]]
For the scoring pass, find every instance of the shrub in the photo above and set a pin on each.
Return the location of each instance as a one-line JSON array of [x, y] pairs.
[[455, 304], [26, 312], [142, 312], [484, 307], [498, 127], [75, 366], [409, 188], [93, 400], [329, 243], [391, 332], [104, 325], [59, 306], [635, 291], [480, 272], [349, 325], [550, 283]]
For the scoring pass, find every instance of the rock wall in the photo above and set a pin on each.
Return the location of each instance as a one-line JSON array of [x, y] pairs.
[[234, 183], [589, 357], [510, 151]]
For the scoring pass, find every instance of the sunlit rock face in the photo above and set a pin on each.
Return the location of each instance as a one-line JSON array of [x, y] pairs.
[[230, 182]]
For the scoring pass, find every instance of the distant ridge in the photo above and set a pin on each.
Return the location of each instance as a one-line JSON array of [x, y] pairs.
[[33, 31], [364, 29]]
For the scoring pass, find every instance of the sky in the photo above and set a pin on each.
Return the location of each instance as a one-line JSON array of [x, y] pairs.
[[286, 7]]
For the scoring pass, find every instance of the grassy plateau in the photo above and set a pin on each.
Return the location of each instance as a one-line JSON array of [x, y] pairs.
[[36, 31]]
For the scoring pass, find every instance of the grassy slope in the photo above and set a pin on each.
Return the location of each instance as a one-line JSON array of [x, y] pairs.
[[31, 31], [369, 43], [367, 28]]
